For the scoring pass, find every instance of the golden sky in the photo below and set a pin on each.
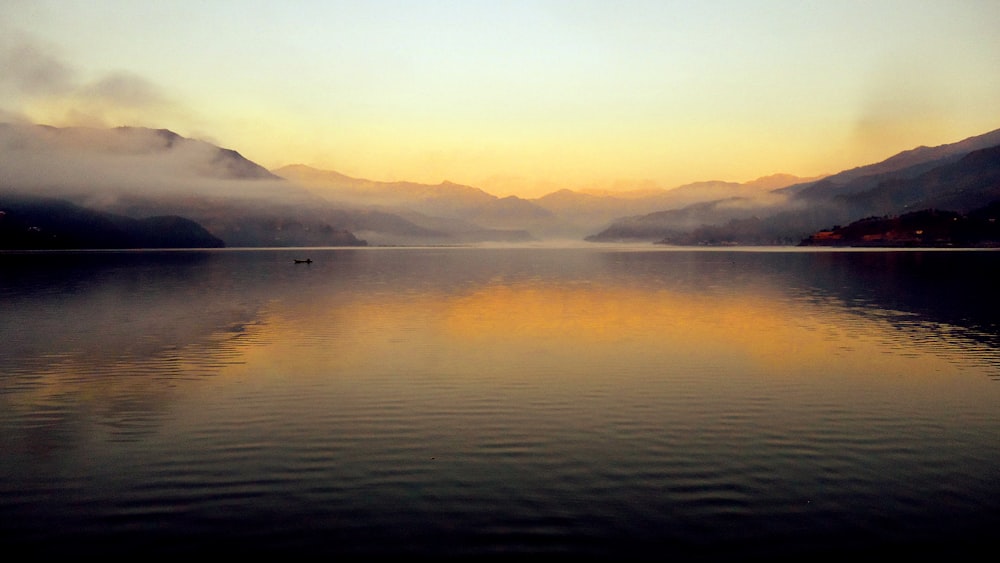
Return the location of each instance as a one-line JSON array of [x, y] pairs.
[[517, 97]]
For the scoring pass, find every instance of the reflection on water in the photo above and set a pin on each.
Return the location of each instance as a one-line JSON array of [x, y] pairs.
[[491, 400]]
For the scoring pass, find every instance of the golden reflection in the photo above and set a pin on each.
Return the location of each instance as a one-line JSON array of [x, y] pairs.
[[753, 327], [507, 331], [496, 325]]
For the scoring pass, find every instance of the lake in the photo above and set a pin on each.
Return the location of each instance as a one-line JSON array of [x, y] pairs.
[[602, 401]]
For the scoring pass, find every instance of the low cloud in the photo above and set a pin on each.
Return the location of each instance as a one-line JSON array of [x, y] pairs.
[[108, 163], [30, 69], [125, 89], [38, 84]]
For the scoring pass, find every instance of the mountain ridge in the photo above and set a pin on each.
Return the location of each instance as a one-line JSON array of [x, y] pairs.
[[892, 186], [561, 213], [142, 172], [40, 223]]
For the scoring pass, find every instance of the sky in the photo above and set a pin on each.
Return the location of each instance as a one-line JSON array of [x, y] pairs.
[[517, 97]]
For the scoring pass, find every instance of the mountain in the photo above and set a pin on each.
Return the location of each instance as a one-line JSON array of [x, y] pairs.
[[587, 210], [115, 154], [132, 173], [906, 164], [675, 222], [472, 214], [778, 181], [970, 182], [603, 207], [140, 173], [38, 223], [925, 228], [958, 176], [464, 211]]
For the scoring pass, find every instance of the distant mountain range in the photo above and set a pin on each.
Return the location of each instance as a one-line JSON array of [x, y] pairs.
[[135, 187], [958, 177], [468, 210], [452, 212]]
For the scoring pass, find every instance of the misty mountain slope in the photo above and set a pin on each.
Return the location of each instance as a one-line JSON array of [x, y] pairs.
[[780, 181], [299, 218], [130, 152], [960, 174], [138, 172], [93, 167], [973, 182], [30, 222], [970, 183], [246, 222], [446, 199], [462, 231], [681, 207], [924, 154], [766, 228], [605, 207], [563, 213], [906, 164], [654, 226], [464, 213], [961, 186]]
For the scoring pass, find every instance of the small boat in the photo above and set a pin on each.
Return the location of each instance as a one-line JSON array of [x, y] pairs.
[[306, 261]]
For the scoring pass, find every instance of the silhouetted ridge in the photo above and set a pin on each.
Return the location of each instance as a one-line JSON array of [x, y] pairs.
[[29, 222], [925, 228]]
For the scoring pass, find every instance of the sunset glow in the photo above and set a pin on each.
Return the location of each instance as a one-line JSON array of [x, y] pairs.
[[517, 97]]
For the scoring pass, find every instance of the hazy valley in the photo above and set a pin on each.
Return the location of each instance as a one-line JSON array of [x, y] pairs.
[[136, 187]]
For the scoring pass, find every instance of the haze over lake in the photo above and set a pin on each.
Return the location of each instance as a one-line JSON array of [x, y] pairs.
[[595, 400]]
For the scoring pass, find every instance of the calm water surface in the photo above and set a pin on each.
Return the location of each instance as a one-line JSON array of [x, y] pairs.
[[500, 401]]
